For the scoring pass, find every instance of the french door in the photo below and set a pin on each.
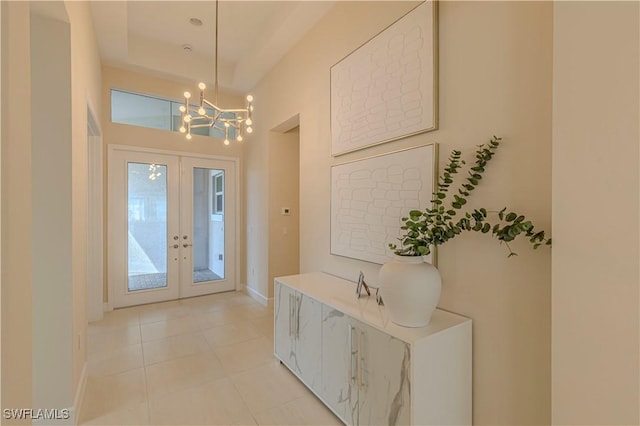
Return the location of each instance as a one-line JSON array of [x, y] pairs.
[[171, 226]]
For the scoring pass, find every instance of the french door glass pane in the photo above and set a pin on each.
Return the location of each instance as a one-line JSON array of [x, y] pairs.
[[147, 226], [208, 225]]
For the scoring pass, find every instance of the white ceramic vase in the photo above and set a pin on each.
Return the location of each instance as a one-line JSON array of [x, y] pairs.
[[410, 289]]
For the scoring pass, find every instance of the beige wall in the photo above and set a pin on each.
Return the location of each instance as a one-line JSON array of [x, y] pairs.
[[16, 201], [595, 300], [122, 134], [1, 50], [52, 360], [85, 90], [284, 190], [16, 207], [495, 78]]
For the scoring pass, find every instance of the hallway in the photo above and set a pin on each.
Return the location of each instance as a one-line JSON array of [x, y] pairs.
[[204, 360]]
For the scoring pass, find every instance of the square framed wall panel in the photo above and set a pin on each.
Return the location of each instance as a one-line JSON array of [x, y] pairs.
[[370, 196], [387, 88]]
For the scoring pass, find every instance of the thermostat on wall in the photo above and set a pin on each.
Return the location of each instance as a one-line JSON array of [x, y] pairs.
[[286, 211]]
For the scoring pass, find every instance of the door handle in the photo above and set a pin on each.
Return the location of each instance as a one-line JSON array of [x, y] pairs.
[[297, 323], [362, 384], [175, 246], [353, 353], [290, 316], [187, 245]]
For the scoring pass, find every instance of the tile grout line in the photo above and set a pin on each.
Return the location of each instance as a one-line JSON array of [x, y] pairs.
[[144, 369], [250, 319], [228, 374], [255, 420]]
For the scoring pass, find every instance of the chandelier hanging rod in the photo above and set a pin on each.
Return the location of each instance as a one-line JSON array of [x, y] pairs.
[[222, 119]]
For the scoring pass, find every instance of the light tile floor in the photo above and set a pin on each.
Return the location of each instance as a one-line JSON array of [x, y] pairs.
[[206, 360]]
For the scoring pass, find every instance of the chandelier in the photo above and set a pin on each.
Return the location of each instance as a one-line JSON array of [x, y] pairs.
[[208, 114]]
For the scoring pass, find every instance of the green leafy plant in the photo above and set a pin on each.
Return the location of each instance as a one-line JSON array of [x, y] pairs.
[[446, 218]]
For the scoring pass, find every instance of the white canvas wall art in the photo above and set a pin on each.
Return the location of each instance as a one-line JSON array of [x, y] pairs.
[[387, 88], [370, 196]]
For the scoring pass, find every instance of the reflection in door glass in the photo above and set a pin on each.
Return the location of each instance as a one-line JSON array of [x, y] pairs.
[[208, 225], [147, 226]]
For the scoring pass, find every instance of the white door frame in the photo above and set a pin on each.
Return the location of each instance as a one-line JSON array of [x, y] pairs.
[[95, 220], [111, 148]]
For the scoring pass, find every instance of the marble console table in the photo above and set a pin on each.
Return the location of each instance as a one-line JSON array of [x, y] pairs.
[[365, 368]]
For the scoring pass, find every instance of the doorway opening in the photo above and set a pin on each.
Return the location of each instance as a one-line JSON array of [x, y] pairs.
[[284, 200]]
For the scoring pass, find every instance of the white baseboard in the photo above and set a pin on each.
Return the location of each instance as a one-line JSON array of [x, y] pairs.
[[77, 401], [64, 417], [253, 293], [68, 416]]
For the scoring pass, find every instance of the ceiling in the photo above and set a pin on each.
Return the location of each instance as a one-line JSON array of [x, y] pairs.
[[149, 36]]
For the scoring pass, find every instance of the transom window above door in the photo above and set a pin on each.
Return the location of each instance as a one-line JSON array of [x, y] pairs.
[[157, 113]]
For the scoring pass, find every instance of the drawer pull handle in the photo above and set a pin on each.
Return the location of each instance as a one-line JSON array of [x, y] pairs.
[[290, 316], [353, 355], [361, 360]]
